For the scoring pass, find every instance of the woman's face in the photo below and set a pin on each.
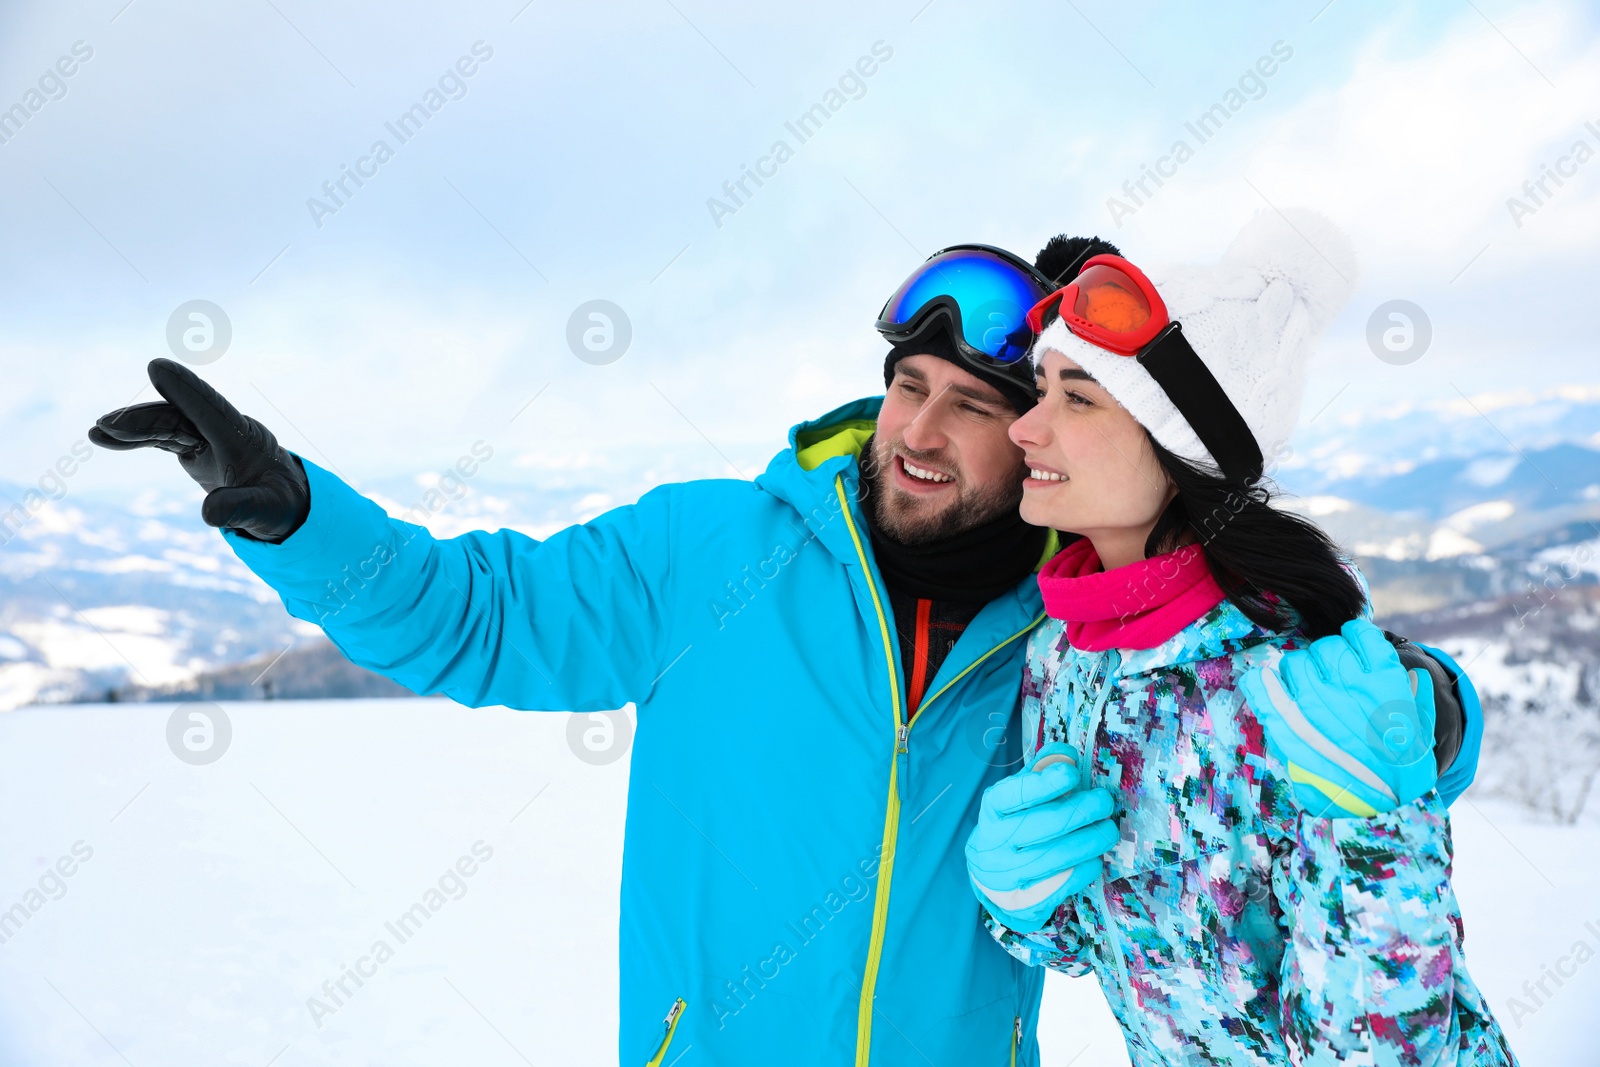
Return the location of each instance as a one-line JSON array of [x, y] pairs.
[[1091, 468]]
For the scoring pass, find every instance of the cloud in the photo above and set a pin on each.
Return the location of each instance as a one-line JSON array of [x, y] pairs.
[[1417, 151], [412, 324]]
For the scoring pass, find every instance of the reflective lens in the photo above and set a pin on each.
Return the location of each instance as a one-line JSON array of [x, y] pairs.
[[988, 295], [1110, 299]]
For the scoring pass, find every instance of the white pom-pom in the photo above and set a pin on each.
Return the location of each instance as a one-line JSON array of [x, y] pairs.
[[1306, 250]]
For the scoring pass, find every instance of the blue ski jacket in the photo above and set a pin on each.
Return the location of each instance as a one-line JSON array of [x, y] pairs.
[[793, 883]]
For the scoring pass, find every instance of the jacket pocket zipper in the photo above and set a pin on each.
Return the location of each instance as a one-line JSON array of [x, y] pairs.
[[669, 1025]]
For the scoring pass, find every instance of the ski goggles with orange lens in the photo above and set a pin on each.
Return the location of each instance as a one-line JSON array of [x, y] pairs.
[[1113, 306], [1110, 303]]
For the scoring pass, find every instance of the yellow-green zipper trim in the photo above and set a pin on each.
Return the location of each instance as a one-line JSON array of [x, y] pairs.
[[891, 819], [670, 1023], [1016, 1039]]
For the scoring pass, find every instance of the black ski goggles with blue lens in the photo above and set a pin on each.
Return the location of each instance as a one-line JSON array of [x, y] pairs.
[[985, 292]]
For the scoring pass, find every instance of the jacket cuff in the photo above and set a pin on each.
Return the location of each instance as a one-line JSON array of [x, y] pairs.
[[1417, 828], [1455, 781], [342, 530]]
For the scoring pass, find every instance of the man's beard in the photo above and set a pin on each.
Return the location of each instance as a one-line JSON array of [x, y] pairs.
[[912, 520]]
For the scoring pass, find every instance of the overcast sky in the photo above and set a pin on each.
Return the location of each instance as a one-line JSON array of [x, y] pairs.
[[386, 330]]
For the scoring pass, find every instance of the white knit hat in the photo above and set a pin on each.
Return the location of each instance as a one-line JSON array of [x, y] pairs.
[[1253, 320]]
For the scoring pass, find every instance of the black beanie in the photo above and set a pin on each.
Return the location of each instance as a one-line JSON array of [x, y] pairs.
[[1063, 256], [1014, 382]]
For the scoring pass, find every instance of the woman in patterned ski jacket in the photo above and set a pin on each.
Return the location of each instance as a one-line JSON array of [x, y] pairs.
[[1230, 926], [1275, 881]]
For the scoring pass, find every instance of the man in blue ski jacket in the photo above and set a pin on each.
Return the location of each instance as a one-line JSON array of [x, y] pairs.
[[825, 663]]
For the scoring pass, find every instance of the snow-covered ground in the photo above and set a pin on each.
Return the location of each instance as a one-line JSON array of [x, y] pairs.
[[207, 903]]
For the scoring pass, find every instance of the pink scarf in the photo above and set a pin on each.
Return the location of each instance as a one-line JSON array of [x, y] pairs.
[[1139, 605]]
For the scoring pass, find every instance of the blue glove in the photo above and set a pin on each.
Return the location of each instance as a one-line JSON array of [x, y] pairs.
[[1353, 725], [1037, 840]]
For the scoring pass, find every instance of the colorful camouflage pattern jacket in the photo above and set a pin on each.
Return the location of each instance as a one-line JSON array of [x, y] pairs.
[[1231, 929]]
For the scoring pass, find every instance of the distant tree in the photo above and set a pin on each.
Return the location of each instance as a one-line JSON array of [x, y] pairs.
[[1543, 749]]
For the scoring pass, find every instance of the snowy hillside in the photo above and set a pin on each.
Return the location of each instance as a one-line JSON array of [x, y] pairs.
[[208, 903], [1458, 507], [1535, 660], [93, 595]]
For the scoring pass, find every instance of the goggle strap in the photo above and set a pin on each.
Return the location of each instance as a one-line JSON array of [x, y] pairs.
[[1200, 399], [1047, 310]]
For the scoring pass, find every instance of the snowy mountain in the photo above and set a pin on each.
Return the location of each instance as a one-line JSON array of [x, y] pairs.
[[1400, 437], [107, 598], [1459, 505], [96, 595], [104, 596], [1478, 490]]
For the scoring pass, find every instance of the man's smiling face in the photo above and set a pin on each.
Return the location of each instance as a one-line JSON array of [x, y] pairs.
[[941, 460]]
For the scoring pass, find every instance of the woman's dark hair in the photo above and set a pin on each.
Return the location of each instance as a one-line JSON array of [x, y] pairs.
[[1277, 567]]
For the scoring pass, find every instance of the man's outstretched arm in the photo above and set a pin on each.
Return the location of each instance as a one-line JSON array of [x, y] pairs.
[[573, 622]]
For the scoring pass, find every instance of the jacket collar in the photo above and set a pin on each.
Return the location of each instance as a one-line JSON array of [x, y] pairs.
[[1220, 632], [822, 456], [827, 449]]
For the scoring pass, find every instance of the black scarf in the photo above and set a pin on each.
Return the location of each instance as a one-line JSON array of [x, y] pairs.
[[974, 566]]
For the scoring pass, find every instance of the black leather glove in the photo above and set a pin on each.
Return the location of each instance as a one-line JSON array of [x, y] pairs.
[[253, 485]]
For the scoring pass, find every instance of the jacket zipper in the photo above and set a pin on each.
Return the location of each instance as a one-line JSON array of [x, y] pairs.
[[1016, 1040], [1101, 676], [669, 1026], [897, 768]]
